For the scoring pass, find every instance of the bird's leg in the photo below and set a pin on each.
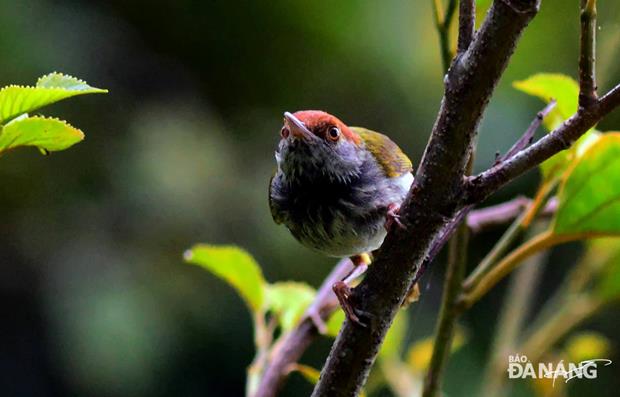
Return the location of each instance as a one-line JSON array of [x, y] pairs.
[[392, 217], [342, 288]]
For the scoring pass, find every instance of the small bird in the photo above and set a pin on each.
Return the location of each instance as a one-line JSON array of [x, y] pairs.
[[338, 190]]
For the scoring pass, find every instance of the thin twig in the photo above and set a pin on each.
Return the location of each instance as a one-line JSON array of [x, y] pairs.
[[587, 55], [541, 242], [467, 22], [528, 136], [290, 349], [448, 314], [484, 218], [516, 307], [480, 186], [502, 245], [442, 23]]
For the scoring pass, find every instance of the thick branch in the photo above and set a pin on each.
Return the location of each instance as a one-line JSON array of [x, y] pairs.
[[587, 54], [482, 185], [433, 199]]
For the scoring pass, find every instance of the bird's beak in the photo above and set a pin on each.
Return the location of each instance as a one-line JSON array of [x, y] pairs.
[[297, 128]]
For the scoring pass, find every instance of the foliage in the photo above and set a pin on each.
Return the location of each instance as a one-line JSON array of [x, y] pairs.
[[47, 134]]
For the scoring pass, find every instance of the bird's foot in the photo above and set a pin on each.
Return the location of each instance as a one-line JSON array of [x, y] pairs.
[[393, 217], [343, 293]]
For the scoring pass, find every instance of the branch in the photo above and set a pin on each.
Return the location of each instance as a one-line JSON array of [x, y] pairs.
[[467, 22], [449, 312], [587, 54], [442, 23], [479, 187], [484, 218], [290, 349], [528, 136], [433, 200]]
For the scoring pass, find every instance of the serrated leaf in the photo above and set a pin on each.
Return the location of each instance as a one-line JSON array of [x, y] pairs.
[[16, 100], [289, 300], [47, 134], [589, 196], [233, 265]]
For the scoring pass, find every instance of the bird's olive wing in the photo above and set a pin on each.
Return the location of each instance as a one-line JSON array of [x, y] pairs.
[[388, 155]]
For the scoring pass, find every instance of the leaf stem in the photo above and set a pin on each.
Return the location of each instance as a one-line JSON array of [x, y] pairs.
[[541, 242], [449, 313], [515, 309]]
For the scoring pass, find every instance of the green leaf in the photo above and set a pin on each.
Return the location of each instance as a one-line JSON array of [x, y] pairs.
[[289, 300], [233, 265], [586, 346], [589, 196], [549, 86], [420, 353], [309, 373], [16, 100], [565, 91], [393, 343], [335, 323], [557, 164], [45, 133]]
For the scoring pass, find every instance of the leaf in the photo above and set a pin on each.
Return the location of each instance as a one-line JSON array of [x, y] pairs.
[[549, 86], [235, 266], [557, 164], [309, 373], [395, 337], [565, 91], [420, 353], [586, 346], [289, 300], [16, 100], [45, 133], [335, 323], [589, 196]]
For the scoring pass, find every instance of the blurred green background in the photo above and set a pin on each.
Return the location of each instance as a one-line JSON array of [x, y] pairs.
[[95, 299]]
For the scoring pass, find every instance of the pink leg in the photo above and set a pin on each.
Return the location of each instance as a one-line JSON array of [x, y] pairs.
[[343, 291]]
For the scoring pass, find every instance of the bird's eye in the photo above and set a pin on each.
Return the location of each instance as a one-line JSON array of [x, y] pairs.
[[284, 132], [334, 133]]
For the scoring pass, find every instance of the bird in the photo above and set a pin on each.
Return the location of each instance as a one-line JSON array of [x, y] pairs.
[[338, 190]]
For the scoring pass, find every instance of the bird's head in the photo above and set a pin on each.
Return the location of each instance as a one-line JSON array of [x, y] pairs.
[[316, 145]]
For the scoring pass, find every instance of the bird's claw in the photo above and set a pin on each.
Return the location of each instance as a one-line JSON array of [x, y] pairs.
[[393, 217], [343, 293]]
